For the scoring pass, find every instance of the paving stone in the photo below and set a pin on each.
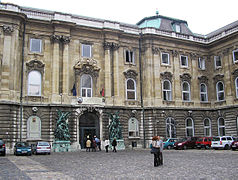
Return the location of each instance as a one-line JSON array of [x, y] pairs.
[[127, 164]]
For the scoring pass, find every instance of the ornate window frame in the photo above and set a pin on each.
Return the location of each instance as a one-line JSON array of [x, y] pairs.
[[167, 93], [203, 94], [35, 66], [86, 66], [221, 127], [207, 127], [133, 128], [189, 127], [220, 91]]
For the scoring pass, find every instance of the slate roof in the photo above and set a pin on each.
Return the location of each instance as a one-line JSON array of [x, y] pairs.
[[164, 23]]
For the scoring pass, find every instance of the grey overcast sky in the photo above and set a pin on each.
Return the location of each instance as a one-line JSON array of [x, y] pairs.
[[203, 16]]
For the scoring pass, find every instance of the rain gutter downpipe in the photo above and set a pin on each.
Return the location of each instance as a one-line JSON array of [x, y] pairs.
[[141, 90], [22, 69]]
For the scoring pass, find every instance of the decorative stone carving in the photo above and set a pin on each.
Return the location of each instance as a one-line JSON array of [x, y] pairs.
[[166, 75], [155, 50], [110, 45], [218, 77], [235, 74], [203, 79], [60, 38], [186, 77], [225, 52], [35, 65], [130, 74], [87, 66], [8, 29], [193, 56], [175, 53]]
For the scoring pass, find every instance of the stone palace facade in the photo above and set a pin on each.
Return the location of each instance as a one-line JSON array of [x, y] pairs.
[[162, 78]]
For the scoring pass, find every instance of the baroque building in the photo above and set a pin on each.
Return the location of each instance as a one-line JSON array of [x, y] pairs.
[[160, 77]]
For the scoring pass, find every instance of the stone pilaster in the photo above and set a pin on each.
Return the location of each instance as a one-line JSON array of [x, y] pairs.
[[8, 52], [55, 68], [65, 67]]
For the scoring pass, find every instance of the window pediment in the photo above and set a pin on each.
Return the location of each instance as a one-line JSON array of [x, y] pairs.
[[235, 73], [130, 74], [166, 75], [218, 77], [186, 77], [203, 79], [87, 66], [35, 65]]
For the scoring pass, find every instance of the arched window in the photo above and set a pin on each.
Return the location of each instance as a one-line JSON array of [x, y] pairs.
[[133, 127], [170, 128], [130, 89], [203, 92], [33, 127], [221, 127], [186, 91], [236, 85], [207, 127], [34, 83], [189, 127], [220, 91], [167, 95], [86, 85]]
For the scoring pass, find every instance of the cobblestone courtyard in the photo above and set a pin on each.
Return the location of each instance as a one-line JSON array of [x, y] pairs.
[[128, 164]]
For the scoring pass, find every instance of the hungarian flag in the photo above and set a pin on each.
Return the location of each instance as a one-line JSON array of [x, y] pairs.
[[102, 92], [74, 91]]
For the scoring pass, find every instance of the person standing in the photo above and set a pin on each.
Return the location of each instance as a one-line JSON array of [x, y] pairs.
[[160, 144], [88, 145], [155, 150], [114, 144], [106, 145]]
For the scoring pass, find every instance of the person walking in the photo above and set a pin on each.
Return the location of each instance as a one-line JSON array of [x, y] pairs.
[[98, 142], [88, 145], [160, 144], [106, 144], [114, 144], [155, 150]]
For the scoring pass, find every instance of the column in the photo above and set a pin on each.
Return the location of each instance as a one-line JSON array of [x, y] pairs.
[[65, 67], [107, 65], [6, 59], [116, 76], [55, 68]]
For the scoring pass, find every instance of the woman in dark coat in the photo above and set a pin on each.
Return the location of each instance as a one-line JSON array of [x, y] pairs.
[[114, 144], [156, 151]]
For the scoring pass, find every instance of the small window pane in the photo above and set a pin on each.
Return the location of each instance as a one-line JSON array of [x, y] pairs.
[[184, 61], [130, 84], [217, 61], [34, 83], [235, 55], [35, 45], [165, 58], [130, 95], [86, 50]]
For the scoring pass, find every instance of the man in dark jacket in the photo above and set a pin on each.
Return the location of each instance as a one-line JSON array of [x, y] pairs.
[[114, 144]]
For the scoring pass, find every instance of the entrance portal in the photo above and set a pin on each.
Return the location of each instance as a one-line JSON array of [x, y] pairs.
[[88, 126]]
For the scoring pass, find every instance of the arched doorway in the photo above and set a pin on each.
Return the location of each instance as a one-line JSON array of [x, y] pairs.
[[88, 126]]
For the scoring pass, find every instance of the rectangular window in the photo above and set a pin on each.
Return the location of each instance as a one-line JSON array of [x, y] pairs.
[[235, 55], [177, 28], [86, 50], [184, 61], [217, 62], [201, 63], [165, 58], [35, 45], [129, 56]]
